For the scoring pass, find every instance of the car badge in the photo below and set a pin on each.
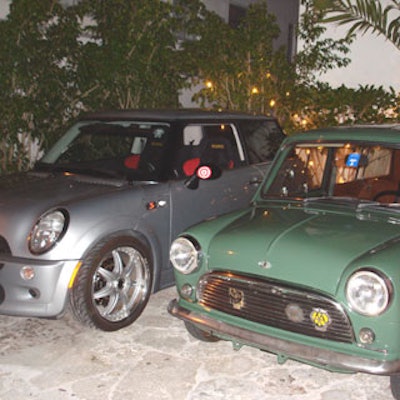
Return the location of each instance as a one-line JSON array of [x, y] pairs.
[[321, 319], [264, 264], [158, 133], [236, 298], [294, 313]]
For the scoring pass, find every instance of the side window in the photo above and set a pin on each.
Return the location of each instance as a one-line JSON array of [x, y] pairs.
[[358, 163], [219, 146], [214, 144], [262, 139]]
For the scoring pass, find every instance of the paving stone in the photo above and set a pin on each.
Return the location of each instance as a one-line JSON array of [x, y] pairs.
[[155, 358]]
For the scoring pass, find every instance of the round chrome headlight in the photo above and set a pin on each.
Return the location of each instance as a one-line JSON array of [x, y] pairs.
[[184, 255], [49, 229], [368, 293]]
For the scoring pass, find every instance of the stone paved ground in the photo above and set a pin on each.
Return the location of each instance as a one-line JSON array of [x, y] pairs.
[[155, 359]]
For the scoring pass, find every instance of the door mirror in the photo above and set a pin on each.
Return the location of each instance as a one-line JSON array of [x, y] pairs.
[[203, 172]]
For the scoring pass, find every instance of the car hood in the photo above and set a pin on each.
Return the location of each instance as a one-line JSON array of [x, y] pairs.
[[24, 191], [89, 201], [294, 245]]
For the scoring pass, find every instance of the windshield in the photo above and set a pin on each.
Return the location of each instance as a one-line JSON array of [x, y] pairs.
[[348, 170], [117, 149]]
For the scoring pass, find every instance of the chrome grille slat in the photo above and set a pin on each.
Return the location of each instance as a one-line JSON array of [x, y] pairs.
[[265, 301]]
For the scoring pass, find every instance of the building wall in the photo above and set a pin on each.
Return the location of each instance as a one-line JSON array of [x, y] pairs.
[[287, 14]]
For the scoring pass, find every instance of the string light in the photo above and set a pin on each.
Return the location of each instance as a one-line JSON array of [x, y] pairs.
[[254, 90]]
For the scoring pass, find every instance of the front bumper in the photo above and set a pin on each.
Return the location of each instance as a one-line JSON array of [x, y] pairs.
[[324, 358], [44, 295]]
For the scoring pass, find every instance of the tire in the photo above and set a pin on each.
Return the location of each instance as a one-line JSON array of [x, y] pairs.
[[395, 386], [113, 284], [199, 334]]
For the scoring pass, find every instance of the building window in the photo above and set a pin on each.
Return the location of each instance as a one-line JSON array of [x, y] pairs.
[[236, 15]]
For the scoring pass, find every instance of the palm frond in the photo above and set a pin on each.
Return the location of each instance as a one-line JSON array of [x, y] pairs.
[[364, 16]]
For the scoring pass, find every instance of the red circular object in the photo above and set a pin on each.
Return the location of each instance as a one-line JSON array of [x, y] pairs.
[[204, 172]]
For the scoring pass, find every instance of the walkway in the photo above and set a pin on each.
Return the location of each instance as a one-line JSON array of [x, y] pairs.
[[155, 359]]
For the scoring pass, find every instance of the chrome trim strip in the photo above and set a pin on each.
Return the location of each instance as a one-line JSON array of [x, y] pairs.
[[327, 359]]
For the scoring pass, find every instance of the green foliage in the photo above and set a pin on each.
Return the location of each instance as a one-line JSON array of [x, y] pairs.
[[319, 54], [364, 16], [316, 104], [240, 63], [35, 76], [59, 62], [325, 106], [250, 75], [129, 58]]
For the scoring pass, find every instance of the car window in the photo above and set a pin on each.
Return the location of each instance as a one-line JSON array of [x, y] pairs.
[[214, 144], [125, 149], [92, 145], [361, 171], [354, 163], [262, 139]]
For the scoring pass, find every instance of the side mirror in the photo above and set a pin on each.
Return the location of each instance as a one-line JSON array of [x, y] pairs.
[[203, 172]]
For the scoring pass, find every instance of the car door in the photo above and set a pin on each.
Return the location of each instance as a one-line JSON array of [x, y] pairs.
[[172, 207], [218, 145]]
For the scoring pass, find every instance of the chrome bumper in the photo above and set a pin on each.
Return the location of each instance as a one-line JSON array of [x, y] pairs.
[[324, 358]]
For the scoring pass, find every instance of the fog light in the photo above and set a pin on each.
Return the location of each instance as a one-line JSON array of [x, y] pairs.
[[366, 336], [186, 291], [35, 294], [27, 273]]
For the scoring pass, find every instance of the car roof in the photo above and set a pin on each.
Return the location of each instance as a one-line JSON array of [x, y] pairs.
[[386, 133], [172, 115]]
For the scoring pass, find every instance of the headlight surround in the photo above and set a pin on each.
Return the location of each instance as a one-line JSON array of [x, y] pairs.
[[185, 255], [368, 293], [47, 231]]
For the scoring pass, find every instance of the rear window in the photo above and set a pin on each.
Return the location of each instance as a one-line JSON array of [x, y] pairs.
[[262, 139]]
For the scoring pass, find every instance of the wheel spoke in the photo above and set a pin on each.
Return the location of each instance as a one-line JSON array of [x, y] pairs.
[[130, 269], [118, 263], [112, 304], [106, 291], [107, 275], [123, 305]]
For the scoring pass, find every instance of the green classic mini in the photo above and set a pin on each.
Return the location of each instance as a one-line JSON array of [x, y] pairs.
[[310, 270]]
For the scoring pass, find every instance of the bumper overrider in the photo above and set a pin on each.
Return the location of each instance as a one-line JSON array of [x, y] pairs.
[[327, 359]]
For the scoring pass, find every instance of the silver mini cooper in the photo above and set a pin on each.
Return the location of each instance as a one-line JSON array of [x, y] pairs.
[[91, 224]]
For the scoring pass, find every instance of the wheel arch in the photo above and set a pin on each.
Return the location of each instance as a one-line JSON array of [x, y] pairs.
[[151, 242]]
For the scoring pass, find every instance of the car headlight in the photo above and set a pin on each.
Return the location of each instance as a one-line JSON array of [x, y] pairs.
[[47, 231], [368, 293], [184, 255]]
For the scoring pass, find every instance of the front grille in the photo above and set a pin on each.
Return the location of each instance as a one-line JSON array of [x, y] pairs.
[[275, 304]]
